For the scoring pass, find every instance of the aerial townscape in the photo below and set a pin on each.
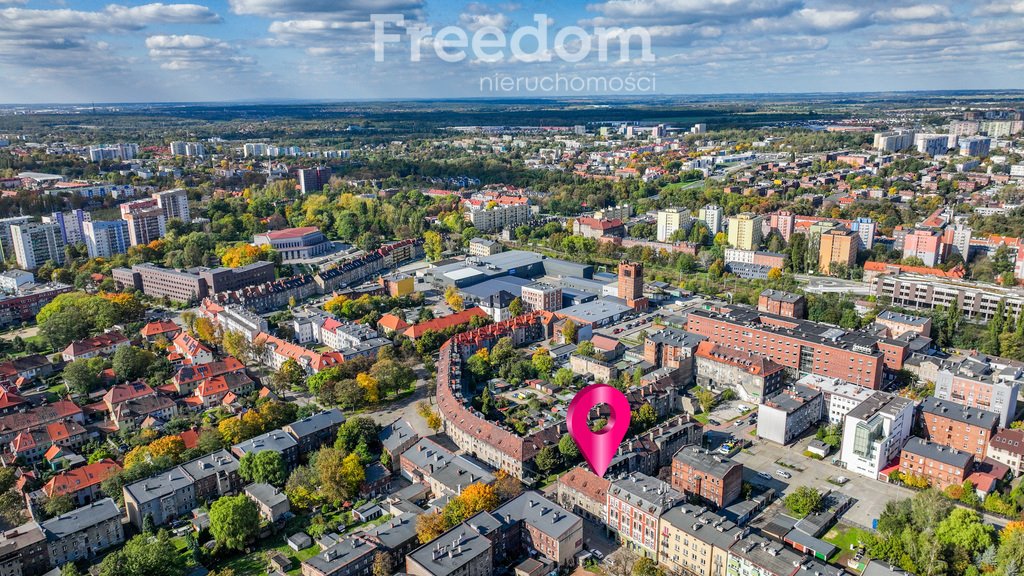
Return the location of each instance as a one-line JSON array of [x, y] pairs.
[[272, 333]]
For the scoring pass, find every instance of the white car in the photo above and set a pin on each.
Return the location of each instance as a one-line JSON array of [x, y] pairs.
[[765, 475], [597, 554], [783, 474]]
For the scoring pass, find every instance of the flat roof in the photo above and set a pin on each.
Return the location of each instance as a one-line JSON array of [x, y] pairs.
[[595, 310]]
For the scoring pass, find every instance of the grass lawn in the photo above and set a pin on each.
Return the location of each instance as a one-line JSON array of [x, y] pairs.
[[255, 562], [702, 417], [843, 537]]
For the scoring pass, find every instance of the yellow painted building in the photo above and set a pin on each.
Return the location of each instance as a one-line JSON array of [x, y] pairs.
[[745, 231]]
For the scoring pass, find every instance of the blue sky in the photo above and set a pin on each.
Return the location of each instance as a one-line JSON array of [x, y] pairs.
[[85, 50]]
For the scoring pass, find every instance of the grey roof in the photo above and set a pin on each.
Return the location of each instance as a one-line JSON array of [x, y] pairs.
[[960, 413], [452, 550], [214, 463], [645, 492], [770, 556], [316, 423], [459, 473], [595, 311], [396, 531], [811, 542], [793, 398], [483, 241], [879, 568], [879, 402], [705, 526], [938, 452], [903, 318], [428, 455], [276, 440], [814, 567], [375, 472], [779, 295], [413, 492], [511, 284], [159, 485], [535, 510], [713, 464], [77, 520], [265, 494], [676, 337], [345, 552]]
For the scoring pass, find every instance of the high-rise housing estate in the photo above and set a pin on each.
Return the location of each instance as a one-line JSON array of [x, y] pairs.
[[926, 245], [104, 239], [254, 149], [865, 229], [893, 140], [745, 231], [670, 220], [712, 216], [838, 246], [933, 144], [631, 285], [174, 203], [36, 242], [958, 239], [314, 179], [70, 223], [146, 221], [113, 152], [964, 127], [6, 244], [190, 149], [975, 146], [784, 222]]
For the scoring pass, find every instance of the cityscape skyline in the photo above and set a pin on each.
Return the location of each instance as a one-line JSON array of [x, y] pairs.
[[230, 50]]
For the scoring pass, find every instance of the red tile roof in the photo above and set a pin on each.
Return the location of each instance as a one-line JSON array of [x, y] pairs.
[[291, 232], [160, 327], [125, 392], [750, 363], [587, 483], [9, 399], [189, 346], [441, 324], [99, 342], [392, 322], [79, 479]]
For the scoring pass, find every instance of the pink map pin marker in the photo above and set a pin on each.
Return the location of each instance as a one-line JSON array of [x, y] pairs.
[[598, 447]]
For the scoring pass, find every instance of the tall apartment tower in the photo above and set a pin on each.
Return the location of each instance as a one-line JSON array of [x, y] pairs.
[[631, 285], [104, 239], [174, 203], [146, 221], [712, 216], [314, 179], [35, 243]]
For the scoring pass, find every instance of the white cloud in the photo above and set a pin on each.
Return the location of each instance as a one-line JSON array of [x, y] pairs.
[[192, 53], [917, 12], [479, 16], [688, 11], [341, 9], [1000, 8]]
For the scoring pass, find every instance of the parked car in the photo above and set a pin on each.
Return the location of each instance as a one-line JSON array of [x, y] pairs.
[[765, 475], [597, 554], [714, 422], [783, 474]]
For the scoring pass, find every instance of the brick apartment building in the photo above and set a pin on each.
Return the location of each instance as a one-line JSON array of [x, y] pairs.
[[956, 426], [940, 465], [801, 345], [711, 477], [782, 303]]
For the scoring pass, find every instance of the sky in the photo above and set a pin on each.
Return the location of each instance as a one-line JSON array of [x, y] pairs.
[[81, 51]]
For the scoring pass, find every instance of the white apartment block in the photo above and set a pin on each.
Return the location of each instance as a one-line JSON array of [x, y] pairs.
[[499, 217], [235, 318], [840, 396], [712, 216], [893, 140], [174, 203], [874, 433], [35, 243]]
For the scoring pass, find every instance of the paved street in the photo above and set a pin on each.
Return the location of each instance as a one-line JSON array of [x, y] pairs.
[[406, 407]]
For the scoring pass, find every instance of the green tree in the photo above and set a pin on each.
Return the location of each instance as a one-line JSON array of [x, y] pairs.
[[564, 378], [646, 567], [83, 376], [803, 501], [569, 331], [586, 348], [290, 375], [266, 466], [145, 555], [705, 397], [432, 245], [643, 417], [515, 307], [568, 448], [236, 345], [58, 504], [130, 362], [234, 521], [548, 459], [542, 362], [964, 530]]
